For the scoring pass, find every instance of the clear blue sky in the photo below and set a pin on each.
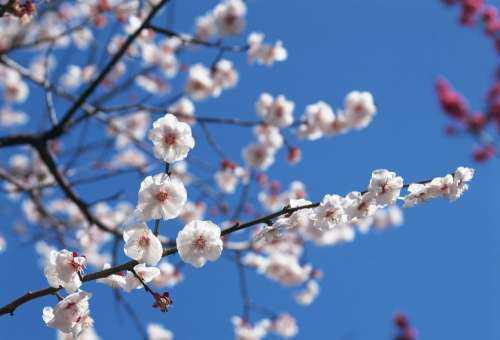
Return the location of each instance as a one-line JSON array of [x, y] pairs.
[[442, 267]]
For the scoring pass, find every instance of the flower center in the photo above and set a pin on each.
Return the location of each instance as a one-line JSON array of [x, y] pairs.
[[144, 241], [161, 196], [359, 108], [280, 111], [170, 138], [199, 243], [259, 154]]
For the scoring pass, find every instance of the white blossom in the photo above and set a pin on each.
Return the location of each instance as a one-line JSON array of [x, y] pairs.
[[70, 315], [63, 269], [198, 242], [317, 120], [269, 135], [243, 330], [158, 332], [286, 269], [358, 205], [205, 27], [142, 245], [417, 193], [330, 212], [10, 118], [161, 196], [309, 294], [385, 186], [86, 334], [275, 111], [147, 274], [129, 128], [199, 83], [359, 109], [285, 326], [183, 109], [451, 186], [172, 139], [224, 76], [265, 54], [192, 211], [228, 177], [229, 17], [259, 156]]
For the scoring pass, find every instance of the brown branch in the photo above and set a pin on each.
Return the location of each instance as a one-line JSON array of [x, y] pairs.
[[47, 158]]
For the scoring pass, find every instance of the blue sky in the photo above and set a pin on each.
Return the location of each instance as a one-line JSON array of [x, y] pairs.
[[441, 268]]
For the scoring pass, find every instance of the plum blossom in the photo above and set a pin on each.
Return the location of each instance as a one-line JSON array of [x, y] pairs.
[[229, 176], [130, 127], [269, 135], [264, 54], [198, 242], [151, 83], [10, 117], [300, 219], [15, 89], [192, 211], [385, 186], [86, 334], [183, 109], [205, 26], [286, 269], [63, 270], [330, 213], [275, 111], [229, 17], [130, 157], [82, 38], [172, 139], [417, 193], [358, 205], [451, 186], [224, 76], [70, 315], [392, 216], [76, 76], [147, 274], [142, 245], [158, 332], [161, 196], [243, 330], [285, 325], [359, 109], [309, 294], [199, 84], [259, 156], [316, 121]]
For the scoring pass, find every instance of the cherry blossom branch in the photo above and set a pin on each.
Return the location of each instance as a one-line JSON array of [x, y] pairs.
[[128, 266]]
